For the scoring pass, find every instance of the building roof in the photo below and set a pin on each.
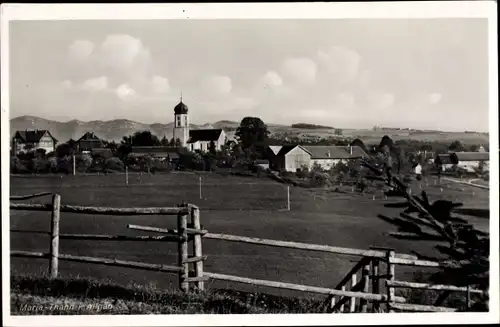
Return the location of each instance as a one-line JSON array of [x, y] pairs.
[[275, 149], [334, 152], [196, 135], [181, 108], [89, 136], [444, 159], [471, 156], [155, 151], [286, 148], [103, 152], [32, 136]]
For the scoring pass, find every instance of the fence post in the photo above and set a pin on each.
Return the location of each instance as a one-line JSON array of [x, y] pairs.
[[54, 236], [200, 188], [126, 175], [366, 286], [288, 197], [352, 301], [74, 165], [390, 276], [375, 283], [197, 246], [183, 251]]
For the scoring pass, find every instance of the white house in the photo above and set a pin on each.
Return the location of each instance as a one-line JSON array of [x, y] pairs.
[[201, 139], [294, 157], [466, 160], [32, 140]]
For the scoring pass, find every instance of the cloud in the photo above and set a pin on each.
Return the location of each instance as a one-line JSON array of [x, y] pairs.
[[341, 62], [95, 84], [159, 85], [124, 92], [299, 70], [67, 84], [271, 79], [217, 85], [345, 100], [80, 50], [434, 98], [381, 100], [124, 52]]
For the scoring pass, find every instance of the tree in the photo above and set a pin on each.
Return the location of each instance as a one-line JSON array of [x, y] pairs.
[[386, 141], [466, 253], [211, 148], [253, 135], [84, 162], [456, 146], [64, 149], [358, 142], [141, 138], [171, 142]]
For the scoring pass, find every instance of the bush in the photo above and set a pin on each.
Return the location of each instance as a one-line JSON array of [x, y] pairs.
[[114, 164], [319, 179]]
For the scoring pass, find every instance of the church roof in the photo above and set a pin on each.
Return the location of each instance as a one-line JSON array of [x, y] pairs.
[[181, 108], [204, 135]]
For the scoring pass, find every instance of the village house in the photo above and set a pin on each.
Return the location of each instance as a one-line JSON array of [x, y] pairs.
[[294, 157], [32, 140], [88, 142], [201, 139], [198, 139], [466, 160], [162, 153]]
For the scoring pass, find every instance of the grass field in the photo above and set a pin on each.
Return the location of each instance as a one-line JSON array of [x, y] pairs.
[[233, 205]]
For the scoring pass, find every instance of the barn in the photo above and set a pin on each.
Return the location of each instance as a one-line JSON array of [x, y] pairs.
[[294, 157]]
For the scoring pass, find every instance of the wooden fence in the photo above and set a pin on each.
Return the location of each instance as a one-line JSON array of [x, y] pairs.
[[350, 295]]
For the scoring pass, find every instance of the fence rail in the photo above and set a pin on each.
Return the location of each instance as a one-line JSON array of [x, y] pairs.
[[356, 294]]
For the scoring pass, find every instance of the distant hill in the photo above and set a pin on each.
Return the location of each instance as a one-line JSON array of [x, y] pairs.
[[114, 130], [310, 126]]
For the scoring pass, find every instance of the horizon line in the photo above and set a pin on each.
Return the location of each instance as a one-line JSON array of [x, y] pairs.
[[268, 124]]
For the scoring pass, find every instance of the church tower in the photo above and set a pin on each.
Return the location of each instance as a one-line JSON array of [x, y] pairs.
[[181, 123]]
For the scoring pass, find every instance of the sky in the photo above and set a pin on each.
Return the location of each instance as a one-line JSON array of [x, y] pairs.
[[345, 73]]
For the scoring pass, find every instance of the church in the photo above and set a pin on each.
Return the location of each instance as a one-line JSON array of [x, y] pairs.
[[196, 139]]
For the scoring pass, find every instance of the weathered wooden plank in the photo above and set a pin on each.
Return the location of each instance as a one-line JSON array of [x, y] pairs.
[[100, 210], [54, 236], [29, 254], [183, 252], [197, 279], [365, 279], [197, 247], [437, 287], [101, 237], [303, 288], [354, 286], [196, 259], [120, 263], [420, 308], [190, 231], [343, 300], [354, 269], [303, 246], [416, 263], [27, 197]]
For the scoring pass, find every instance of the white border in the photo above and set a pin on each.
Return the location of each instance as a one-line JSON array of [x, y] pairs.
[[445, 9]]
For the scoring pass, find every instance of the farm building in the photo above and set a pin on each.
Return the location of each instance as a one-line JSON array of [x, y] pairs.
[[200, 139], [162, 153], [294, 157], [465, 160], [32, 140], [88, 142]]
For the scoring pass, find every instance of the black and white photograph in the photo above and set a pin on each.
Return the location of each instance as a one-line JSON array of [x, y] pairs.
[[201, 164]]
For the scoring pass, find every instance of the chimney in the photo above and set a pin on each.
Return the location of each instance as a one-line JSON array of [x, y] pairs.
[[350, 150], [328, 154]]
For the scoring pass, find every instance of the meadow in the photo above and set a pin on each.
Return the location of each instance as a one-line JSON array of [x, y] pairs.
[[254, 207]]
